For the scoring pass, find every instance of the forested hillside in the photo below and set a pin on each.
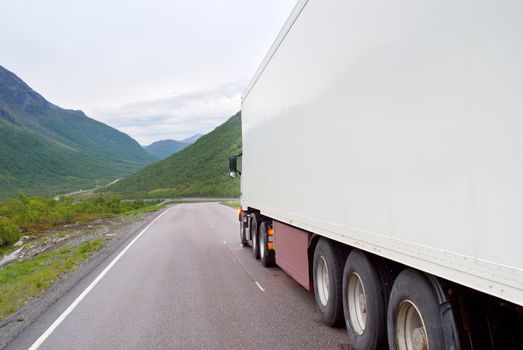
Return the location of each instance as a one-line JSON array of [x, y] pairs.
[[199, 170]]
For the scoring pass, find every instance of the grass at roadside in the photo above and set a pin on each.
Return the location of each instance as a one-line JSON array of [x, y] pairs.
[[43, 220], [21, 281], [147, 209], [232, 204], [34, 215]]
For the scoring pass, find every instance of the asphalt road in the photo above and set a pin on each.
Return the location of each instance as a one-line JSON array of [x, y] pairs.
[[186, 283]]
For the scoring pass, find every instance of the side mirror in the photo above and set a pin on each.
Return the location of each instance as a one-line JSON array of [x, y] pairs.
[[233, 166]]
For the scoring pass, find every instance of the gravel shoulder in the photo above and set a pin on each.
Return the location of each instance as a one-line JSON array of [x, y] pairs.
[[115, 232]]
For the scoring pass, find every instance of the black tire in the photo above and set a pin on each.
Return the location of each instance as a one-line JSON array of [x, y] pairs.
[[243, 233], [254, 227], [329, 301], [266, 255], [370, 332], [412, 288]]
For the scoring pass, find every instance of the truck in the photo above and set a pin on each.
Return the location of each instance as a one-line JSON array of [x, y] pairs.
[[382, 168]]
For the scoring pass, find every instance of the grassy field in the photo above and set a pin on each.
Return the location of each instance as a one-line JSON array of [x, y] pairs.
[[21, 281], [33, 215]]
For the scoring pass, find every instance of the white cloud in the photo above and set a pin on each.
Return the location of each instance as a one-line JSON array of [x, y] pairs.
[[97, 55], [175, 117]]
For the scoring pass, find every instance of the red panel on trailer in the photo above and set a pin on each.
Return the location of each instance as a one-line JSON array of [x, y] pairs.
[[290, 245]]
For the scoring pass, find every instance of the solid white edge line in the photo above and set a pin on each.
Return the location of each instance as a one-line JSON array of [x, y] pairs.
[[75, 303], [259, 286]]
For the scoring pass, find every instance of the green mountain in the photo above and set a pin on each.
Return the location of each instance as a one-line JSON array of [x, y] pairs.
[[45, 149], [165, 148], [199, 170]]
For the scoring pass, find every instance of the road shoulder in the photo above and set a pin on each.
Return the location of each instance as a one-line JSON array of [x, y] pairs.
[[15, 324]]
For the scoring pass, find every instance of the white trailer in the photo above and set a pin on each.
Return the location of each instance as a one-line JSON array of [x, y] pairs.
[[383, 167]]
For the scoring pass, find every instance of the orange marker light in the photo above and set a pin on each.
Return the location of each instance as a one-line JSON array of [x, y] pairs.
[[270, 231]]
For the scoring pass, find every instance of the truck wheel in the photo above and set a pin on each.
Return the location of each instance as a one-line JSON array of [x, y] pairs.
[[365, 295], [266, 254], [413, 318], [327, 270], [254, 236], [243, 233]]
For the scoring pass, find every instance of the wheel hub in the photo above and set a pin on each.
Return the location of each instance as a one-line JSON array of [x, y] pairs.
[[357, 302], [262, 244], [322, 279], [411, 333]]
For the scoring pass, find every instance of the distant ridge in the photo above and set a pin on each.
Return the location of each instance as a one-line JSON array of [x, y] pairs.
[[45, 149], [200, 170], [192, 139], [165, 148]]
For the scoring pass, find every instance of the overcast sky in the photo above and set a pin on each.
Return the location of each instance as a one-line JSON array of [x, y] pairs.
[[155, 69]]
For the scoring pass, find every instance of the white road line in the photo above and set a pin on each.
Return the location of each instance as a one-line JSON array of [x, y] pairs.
[[259, 286], [75, 303]]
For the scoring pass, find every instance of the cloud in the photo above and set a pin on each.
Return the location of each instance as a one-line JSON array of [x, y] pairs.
[[178, 116]]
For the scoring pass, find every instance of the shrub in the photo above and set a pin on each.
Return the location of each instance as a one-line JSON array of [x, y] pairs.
[[9, 232], [35, 214]]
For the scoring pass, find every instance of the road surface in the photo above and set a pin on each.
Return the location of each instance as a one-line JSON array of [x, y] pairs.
[[185, 283]]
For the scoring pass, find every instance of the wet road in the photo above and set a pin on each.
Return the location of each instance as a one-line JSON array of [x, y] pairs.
[[185, 283]]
